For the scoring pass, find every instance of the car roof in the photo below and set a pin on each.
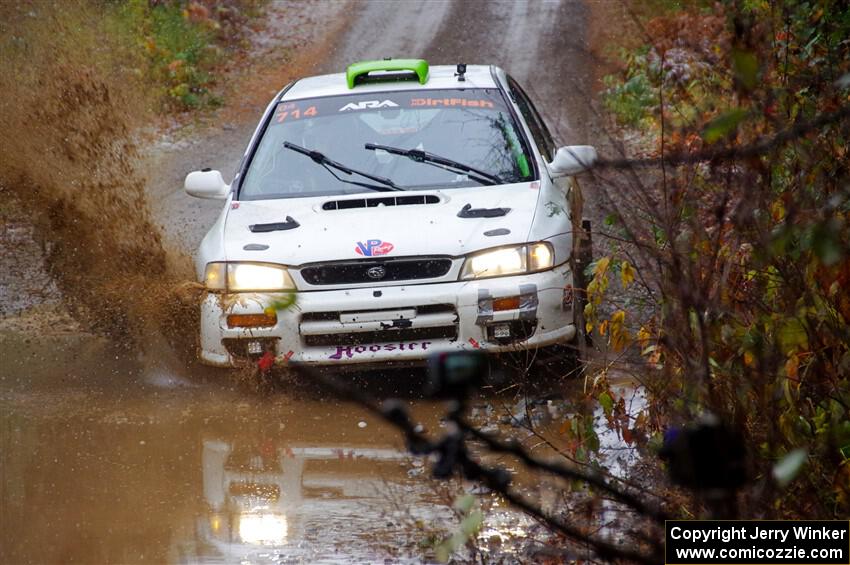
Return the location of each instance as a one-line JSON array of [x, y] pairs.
[[439, 77]]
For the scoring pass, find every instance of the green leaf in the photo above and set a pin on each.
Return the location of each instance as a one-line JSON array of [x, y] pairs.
[[606, 402], [449, 545], [723, 125], [283, 303], [826, 242], [792, 336], [471, 525], [591, 440], [789, 466], [746, 67], [660, 236], [464, 503]]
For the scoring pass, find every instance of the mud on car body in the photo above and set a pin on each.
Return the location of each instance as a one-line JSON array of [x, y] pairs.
[[411, 209]]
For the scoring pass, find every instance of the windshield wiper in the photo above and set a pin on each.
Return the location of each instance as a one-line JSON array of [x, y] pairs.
[[421, 156], [327, 163]]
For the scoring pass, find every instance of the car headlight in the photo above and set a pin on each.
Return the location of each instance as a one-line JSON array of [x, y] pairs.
[[247, 277], [508, 261]]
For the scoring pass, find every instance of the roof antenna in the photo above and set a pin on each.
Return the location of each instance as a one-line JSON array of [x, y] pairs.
[[461, 70]]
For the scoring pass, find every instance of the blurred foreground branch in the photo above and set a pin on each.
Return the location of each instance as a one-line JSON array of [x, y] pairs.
[[729, 153], [453, 457]]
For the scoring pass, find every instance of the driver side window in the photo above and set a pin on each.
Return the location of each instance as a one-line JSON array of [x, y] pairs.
[[539, 131]]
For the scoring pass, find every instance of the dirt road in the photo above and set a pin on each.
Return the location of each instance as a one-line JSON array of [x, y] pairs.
[[542, 44], [109, 456]]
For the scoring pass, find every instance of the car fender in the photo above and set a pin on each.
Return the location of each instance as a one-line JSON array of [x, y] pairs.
[[212, 246]]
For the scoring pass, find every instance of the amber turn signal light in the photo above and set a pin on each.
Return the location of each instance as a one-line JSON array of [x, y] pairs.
[[509, 303], [251, 320]]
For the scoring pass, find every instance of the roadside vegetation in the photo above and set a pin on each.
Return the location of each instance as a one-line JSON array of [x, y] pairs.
[[182, 45], [82, 81], [722, 291], [734, 223]]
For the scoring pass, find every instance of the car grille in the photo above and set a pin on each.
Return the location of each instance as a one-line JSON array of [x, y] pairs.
[[377, 271], [431, 322]]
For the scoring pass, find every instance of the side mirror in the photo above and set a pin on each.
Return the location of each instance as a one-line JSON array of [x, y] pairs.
[[206, 184], [572, 159]]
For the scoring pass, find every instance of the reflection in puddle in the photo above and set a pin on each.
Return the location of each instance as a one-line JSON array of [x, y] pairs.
[[262, 498], [247, 496], [261, 527], [100, 462]]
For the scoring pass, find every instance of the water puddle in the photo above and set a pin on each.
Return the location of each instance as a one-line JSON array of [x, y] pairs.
[[104, 459], [106, 456]]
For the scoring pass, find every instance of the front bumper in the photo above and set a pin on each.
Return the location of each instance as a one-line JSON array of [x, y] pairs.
[[401, 324]]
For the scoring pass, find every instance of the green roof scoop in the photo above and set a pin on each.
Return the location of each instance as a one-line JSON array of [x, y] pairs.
[[417, 66]]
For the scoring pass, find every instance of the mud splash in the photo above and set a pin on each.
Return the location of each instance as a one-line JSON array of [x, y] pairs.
[[70, 108]]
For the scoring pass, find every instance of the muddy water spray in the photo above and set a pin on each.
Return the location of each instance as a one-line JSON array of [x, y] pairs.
[[68, 167]]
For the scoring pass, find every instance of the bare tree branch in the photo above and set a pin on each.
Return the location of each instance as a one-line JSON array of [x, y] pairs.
[[732, 153]]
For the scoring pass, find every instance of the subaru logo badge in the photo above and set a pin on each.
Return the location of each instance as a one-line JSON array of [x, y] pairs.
[[377, 272]]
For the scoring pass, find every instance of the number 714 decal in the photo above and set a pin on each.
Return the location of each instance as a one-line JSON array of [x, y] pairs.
[[293, 113]]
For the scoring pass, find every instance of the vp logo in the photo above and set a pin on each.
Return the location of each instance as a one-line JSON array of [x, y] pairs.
[[373, 248], [369, 104]]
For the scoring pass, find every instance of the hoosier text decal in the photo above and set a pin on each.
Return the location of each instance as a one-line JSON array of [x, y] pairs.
[[353, 351]]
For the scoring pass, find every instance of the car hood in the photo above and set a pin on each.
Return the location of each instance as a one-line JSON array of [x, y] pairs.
[[376, 229]]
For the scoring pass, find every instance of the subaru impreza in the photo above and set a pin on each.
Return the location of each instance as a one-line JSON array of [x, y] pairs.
[[390, 212]]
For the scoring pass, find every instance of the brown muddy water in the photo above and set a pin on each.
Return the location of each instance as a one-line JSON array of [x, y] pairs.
[[107, 457], [120, 460]]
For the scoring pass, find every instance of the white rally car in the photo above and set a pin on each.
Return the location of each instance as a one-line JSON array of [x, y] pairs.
[[408, 209]]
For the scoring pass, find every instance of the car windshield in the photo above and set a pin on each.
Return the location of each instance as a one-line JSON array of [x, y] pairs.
[[472, 127]]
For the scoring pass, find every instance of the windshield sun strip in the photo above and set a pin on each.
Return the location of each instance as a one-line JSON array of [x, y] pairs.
[[503, 98]]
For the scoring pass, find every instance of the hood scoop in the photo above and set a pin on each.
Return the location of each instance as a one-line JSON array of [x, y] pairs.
[[469, 212], [289, 224], [407, 200]]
